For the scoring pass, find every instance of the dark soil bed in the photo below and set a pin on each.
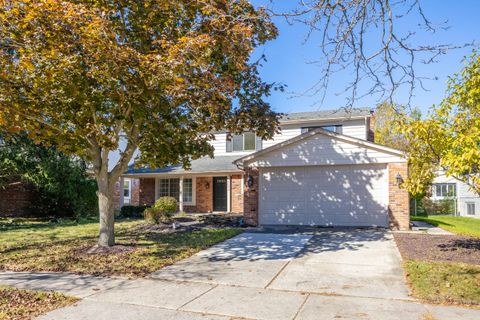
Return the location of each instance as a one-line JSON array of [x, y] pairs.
[[446, 248]]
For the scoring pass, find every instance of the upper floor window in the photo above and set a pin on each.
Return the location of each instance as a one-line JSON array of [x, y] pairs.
[[443, 190], [247, 141], [334, 128]]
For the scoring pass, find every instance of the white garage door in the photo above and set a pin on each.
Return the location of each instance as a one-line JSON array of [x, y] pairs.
[[350, 195]]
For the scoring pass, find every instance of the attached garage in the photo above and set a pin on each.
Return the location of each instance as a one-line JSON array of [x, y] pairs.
[[344, 195], [322, 178]]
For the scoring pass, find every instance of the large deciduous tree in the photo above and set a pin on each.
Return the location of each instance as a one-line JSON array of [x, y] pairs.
[[449, 138], [164, 74], [388, 120]]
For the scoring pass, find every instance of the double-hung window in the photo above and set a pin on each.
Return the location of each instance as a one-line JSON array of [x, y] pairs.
[[170, 187], [471, 208], [246, 141]]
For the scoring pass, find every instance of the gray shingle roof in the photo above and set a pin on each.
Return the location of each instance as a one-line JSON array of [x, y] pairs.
[[326, 114], [205, 164]]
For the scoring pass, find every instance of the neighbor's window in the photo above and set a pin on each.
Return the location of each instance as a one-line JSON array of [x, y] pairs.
[[335, 128], [471, 209], [243, 142], [442, 190], [171, 188]]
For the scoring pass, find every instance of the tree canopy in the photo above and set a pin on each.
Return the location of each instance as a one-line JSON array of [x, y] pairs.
[[63, 186], [387, 119], [80, 74], [448, 138]]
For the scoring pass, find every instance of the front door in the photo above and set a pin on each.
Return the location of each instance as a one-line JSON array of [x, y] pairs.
[[219, 193]]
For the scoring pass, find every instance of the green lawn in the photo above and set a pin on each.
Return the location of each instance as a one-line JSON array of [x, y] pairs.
[[440, 282], [459, 225], [16, 304], [27, 245]]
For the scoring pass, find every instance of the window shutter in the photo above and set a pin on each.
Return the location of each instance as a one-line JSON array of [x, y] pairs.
[[259, 144], [229, 146]]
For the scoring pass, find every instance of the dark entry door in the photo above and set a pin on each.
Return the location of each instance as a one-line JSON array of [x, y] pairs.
[[219, 193]]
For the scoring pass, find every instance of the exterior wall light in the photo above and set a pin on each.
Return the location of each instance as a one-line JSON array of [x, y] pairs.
[[249, 181], [398, 179]]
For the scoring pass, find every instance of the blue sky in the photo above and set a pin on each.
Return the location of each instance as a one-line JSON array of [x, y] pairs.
[[287, 58]]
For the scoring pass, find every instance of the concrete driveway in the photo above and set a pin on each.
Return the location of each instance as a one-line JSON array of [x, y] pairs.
[[327, 274]]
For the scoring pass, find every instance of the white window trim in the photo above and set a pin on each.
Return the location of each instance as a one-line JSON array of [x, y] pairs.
[[434, 191], [243, 143], [194, 189], [127, 199], [467, 204]]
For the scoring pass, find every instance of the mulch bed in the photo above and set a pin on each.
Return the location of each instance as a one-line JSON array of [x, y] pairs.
[[445, 248]]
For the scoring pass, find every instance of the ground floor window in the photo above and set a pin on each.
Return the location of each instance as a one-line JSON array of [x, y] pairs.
[[127, 190], [444, 190], [171, 188], [471, 209]]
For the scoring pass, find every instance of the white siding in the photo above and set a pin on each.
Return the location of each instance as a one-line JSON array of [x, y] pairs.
[[354, 128], [320, 149], [353, 195]]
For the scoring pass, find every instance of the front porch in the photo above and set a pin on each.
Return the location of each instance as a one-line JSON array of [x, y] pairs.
[[196, 193]]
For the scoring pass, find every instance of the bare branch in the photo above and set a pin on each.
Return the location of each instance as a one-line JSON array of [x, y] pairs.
[[363, 37]]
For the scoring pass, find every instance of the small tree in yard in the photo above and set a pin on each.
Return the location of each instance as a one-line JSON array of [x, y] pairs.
[[80, 74], [449, 138]]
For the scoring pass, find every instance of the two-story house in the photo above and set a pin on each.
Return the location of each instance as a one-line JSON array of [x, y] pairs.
[[323, 168]]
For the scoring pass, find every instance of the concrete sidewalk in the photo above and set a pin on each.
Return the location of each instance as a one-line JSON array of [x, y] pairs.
[[421, 226], [347, 274]]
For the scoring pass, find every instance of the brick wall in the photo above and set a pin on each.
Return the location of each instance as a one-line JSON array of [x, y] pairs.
[[135, 189], [135, 193], [250, 198], [204, 194], [146, 191], [18, 200], [237, 195], [399, 201]]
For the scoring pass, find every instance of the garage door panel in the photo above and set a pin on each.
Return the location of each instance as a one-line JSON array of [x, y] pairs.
[[353, 195]]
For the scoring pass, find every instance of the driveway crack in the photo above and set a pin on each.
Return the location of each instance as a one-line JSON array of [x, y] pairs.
[[301, 307], [201, 295], [276, 275]]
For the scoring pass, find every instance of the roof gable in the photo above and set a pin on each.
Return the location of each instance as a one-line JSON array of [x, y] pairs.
[[320, 147]]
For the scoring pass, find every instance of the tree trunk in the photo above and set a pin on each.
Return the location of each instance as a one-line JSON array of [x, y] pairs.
[[106, 211]]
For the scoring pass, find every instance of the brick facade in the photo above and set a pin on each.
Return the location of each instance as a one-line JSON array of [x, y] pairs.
[[204, 194], [147, 191], [134, 196], [18, 200], [237, 193], [250, 197], [398, 198]]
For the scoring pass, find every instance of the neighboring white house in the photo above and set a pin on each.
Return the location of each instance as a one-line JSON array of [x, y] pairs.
[[467, 203], [323, 168]]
